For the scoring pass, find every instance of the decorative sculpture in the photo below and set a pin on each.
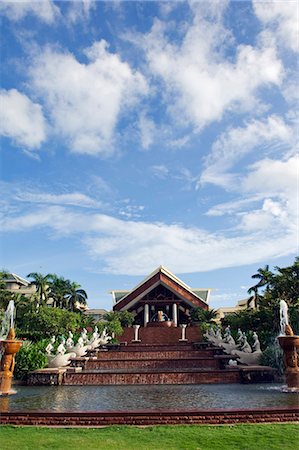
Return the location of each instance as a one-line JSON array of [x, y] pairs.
[[284, 319], [50, 346], [61, 359], [95, 340], [80, 349], [105, 338], [245, 355], [9, 347], [290, 346], [70, 341]]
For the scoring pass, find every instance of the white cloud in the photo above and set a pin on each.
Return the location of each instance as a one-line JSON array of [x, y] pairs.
[[45, 10], [233, 206], [235, 143], [85, 101], [79, 9], [74, 199], [147, 131], [21, 119], [269, 199], [136, 247], [160, 171], [201, 83], [281, 17]]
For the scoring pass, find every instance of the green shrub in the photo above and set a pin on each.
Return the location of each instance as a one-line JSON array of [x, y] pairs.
[[31, 356], [50, 321]]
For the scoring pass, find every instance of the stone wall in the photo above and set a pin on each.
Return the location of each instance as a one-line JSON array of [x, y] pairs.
[[149, 417]]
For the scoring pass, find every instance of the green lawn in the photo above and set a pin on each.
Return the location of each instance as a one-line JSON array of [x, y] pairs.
[[237, 437]]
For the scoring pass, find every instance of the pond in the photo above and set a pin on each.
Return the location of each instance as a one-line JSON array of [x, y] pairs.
[[134, 397]]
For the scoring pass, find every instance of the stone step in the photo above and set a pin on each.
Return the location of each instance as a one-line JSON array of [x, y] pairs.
[[147, 376], [196, 362], [154, 354]]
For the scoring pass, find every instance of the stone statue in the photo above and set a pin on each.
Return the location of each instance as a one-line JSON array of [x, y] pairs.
[[256, 343], [283, 314], [227, 331], [218, 333], [246, 355], [70, 341], [50, 346], [95, 341], [214, 338], [104, 338], [61, 359], [80, 349], [239, 335], [61, 348], [84, 336], [246, 347]]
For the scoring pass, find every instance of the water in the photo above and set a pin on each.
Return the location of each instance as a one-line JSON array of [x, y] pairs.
[[105, 398], [8, 320]]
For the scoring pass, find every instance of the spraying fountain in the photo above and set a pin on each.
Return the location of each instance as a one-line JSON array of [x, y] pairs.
[[290, 346], [9, 347]]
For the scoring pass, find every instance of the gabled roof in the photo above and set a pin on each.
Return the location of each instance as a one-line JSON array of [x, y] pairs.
[[13, 278], [162, 276]]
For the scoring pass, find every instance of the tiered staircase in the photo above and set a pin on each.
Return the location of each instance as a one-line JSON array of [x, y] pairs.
[[159, 356]]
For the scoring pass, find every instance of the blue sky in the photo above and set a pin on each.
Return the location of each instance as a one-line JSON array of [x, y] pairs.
[[139, 134]]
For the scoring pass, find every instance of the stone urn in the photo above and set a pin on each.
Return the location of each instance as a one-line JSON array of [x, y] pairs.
[[290, 347], [9, 347]]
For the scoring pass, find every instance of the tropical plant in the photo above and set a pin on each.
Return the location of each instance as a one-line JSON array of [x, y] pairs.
[[31, 356], [265, 276], [49, 321], [204, 316], [42, 286], [75, 297], [59, 287]]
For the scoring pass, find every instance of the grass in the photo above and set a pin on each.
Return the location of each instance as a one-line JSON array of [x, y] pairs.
[[197, 437]]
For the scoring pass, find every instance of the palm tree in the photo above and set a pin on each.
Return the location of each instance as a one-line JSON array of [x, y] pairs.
[[76, 297], [265, 277], [59, 287], [200, 315], [42, 286]]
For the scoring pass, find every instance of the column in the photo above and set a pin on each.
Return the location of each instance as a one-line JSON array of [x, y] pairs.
[[136, 330], [175, 313], [146, 314], [183, 338]]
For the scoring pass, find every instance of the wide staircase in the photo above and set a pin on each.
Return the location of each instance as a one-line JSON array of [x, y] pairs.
[[159, 356]]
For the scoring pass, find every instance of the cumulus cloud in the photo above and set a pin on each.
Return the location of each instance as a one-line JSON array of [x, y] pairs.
[[281, 17], [235, 143], [201, 82], [45, 10], [21, 119], [269, 199], [122, 246], [85, 100]]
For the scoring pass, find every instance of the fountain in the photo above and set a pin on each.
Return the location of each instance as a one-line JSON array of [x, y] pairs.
[[9, 347], [290, 346]]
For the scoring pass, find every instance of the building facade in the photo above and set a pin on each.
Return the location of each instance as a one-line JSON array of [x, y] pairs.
[[161, 298]]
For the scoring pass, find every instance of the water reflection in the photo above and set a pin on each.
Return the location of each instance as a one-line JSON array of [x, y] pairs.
[[84, 398]]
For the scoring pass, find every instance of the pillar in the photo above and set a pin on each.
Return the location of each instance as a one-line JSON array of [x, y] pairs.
[[175, 313], [136, 330], [183, 338], [146, 314]]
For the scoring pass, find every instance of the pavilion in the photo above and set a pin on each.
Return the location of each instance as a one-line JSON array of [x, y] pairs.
[[161, 297]]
